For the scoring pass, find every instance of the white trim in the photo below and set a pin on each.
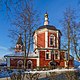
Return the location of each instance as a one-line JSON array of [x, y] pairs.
[[31, 58], [46, 39], [53, 31], [41, 30], [65, 63], [38, 61], [20, 61], [52, 36], [45, 29], [58, 44], [35, 40]]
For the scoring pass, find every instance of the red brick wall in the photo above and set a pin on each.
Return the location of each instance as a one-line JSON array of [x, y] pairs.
[[34, 62], [13, 62], [62, 64], [43, 62], [41, 40]]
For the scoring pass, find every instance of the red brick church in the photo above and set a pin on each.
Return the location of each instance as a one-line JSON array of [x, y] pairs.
[[47, 51]]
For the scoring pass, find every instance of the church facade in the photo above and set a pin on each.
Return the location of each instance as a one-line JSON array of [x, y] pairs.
[[47, 50]]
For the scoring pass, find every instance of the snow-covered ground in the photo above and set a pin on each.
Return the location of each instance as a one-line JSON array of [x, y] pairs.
[[9, 73], [54, 70]]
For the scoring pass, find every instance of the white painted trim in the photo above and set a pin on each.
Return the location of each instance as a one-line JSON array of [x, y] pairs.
[[65, 63], [46, 39], [31, 58], [38, 61], [41, 30], [57, 40], [53, 40], [20, 61], [35, 40], [53, 31]]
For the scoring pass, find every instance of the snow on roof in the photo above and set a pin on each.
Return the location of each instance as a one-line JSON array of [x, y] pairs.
[[21, 54]]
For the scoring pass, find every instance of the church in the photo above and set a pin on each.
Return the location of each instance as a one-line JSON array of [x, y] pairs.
[[47, 50]]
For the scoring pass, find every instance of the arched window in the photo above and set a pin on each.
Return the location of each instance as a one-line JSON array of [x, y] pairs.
[[29, 64], [52, 40], [20, 64]]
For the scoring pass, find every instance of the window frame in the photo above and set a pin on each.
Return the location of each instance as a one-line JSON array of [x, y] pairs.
[[48, 56], [52, 37], [58, 55]]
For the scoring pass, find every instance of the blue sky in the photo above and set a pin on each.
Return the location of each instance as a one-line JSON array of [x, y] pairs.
[[55, 9]]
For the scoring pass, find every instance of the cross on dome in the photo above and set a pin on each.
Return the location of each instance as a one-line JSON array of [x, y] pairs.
[[46, 22]]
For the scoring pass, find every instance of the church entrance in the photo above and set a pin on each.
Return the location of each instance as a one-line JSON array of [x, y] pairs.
[[29, 64]]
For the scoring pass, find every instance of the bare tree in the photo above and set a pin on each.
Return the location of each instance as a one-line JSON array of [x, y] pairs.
[[71, 32], [24, 20]]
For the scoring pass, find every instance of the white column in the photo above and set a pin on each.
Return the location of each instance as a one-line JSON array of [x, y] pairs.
[[38, 58], [35, 40], [46, 39], [65, 64], [57, 40]]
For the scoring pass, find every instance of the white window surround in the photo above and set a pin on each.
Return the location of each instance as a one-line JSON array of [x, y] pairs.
[[58, 55], [49, 55], [29, 62], [46, 39], [20, 61], [52, 37]]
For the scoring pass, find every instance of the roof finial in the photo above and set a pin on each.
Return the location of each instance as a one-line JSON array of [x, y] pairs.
[[46, 19]]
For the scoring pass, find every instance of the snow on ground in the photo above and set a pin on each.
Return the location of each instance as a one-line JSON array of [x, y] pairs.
[[54, 70]]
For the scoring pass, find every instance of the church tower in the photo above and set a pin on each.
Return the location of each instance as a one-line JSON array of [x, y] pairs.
[[19, 45]]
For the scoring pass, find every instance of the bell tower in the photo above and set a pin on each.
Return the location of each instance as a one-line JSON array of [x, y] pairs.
[[19, 45]]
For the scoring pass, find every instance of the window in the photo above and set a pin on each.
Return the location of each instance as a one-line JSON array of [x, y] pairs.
[[52, 40], [47, 56], [56, 55], [29, 64]]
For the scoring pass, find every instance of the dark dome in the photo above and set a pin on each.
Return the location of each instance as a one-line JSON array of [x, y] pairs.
[[48, 27]]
